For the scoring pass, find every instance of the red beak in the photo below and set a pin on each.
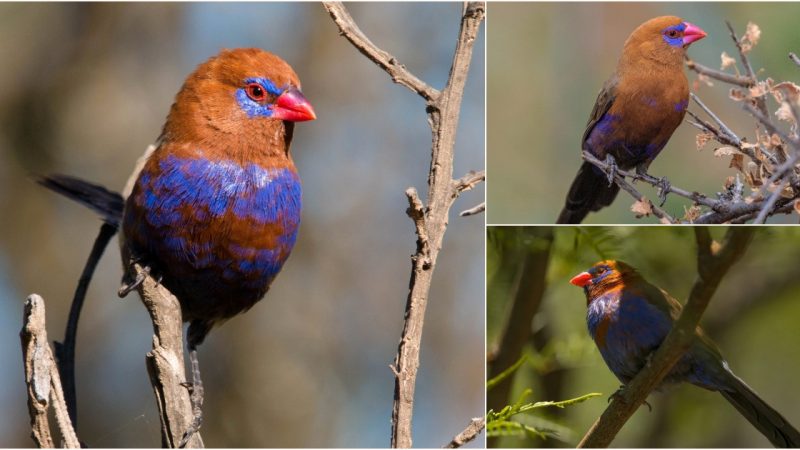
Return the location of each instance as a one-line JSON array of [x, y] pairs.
[[692, 33], [293, 106], [581, 279]]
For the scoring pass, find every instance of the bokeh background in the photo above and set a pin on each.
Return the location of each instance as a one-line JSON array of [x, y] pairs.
[[85, 89], [548, 61], [752, 317]]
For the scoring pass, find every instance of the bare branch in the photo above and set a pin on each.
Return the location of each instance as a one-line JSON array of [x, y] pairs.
[[443, 109], [472, 431], [474, 210], [383, 59], [769, 205], [793, 57], [712, 264], [719, 75], [42, 379]]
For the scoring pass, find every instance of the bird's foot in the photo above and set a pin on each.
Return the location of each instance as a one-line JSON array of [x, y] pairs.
[[196, 392], [127, 286], [611, 169], [663, 188], [617, 395]]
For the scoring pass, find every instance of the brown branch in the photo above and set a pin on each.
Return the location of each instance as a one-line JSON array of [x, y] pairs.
[[443, 109], [477, 209], [42, 379], [719, 75], [472, 431], [384, 60], [793, 57], [713, 262]]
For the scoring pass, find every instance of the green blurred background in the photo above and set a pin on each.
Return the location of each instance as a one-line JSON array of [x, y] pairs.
[[752, 317], [85, 89], [548, 61]]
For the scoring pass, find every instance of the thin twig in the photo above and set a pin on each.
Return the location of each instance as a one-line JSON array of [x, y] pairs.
[[474, 210], [42, 379], [770, 204], [713, 263], [65, 351], [384, 60], [472, 431], [719, 75], [793, 57]]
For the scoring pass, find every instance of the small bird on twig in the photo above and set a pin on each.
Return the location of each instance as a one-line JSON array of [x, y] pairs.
[[628, 319], [215, 211], [636, 112]]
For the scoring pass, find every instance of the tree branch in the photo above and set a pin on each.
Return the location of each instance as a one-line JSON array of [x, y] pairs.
[[443, 109], [472, 431], [42, 379], [713, 262]]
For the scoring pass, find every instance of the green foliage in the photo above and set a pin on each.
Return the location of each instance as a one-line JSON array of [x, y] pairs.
[[500, 423]]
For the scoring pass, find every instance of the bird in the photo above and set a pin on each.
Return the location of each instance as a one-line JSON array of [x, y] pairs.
[[628, 318], [215, 211], [635, 113]]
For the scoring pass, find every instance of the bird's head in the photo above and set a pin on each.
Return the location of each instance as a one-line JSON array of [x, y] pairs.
[[240, 93], [662, 39], [603, 276]]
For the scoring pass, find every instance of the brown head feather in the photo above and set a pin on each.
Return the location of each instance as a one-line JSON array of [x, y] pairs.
[[647, 43]]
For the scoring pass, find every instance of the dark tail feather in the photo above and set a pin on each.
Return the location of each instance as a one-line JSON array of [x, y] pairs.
[[768, 421], [589, 192], [107, 203]]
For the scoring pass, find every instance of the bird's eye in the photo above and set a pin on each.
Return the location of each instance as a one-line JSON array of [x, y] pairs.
[[672, 33], [601, 270], [255, 92]]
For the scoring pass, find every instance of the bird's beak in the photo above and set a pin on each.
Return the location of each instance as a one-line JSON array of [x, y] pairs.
[[292, 105], [581, 279], [692, 33]]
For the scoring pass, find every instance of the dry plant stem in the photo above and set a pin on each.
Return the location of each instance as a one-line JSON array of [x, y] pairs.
[[472, 431], [760, 102], [165, 363], [769, 205], [713, 263], [430, 221], [42, 379], [719, 75], [793, 57], [474, 210], [65, 351]]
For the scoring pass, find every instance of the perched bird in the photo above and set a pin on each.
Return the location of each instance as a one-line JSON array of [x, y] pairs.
[[636, 112], [215, 211], [628, 318]]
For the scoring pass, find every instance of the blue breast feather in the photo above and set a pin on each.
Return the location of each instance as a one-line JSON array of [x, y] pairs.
[[190, 193]]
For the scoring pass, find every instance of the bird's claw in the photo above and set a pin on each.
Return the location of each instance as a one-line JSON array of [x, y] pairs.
[[126, 288], [195, 388], [663, 188], [611, 169], [617, 395]]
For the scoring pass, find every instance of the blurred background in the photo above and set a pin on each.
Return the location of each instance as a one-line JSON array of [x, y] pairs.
[[752, 318], [548, 61], [85, 89]]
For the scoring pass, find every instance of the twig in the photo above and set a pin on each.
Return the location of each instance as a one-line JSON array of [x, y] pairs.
[[770, 204], [793, 57], [65, 351], [443, 109], [719, 75], [764, 120], [474, 210], [762, 105], [390, 64], [42, 379], [713, 263], [472, 431]]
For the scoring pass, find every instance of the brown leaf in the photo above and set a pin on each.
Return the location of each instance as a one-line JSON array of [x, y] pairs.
[[759, 90], [642, 208], [751, 37], [729, 182], [737, 95], [691, 214], [797, 206], [702, 139], [784, 113], [726, 151], [737, 162], [727, 61]]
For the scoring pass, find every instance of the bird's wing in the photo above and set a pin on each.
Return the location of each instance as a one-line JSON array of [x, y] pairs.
[[603, 103]]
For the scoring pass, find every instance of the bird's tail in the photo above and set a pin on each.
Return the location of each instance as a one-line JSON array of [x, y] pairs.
[[589, 192], [768, 421], [107, 203]]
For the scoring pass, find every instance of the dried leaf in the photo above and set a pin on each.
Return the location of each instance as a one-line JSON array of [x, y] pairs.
[[784, 113], [725, 151], [737, 95], [737, 162], [691, 214], [715, 247], [729, 182], [702, 139], [786, 91], [727, 61], [797, 206], [751, 37], [759, 90], [642, 208], [704, 79]]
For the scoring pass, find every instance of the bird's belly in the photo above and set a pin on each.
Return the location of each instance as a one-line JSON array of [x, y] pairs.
[[219, 232]]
